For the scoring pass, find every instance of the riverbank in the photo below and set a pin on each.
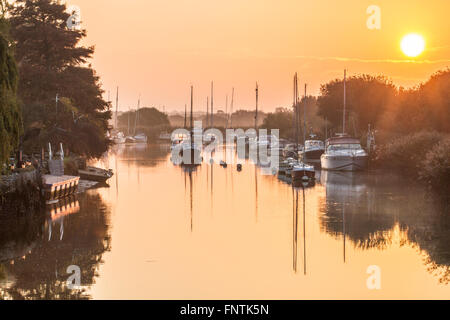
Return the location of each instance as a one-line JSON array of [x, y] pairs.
[[20, 192], [422, 156]]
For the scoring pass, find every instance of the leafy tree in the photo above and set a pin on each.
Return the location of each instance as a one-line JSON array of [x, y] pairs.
[[10, 114], [426, 107], [437, 97], [151, 122], [282, 120], [368, 97], [147, 117], [53, 63]]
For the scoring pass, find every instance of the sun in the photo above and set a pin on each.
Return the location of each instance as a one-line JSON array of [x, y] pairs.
[[412, 44]]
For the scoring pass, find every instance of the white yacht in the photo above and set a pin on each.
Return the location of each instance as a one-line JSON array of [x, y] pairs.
[[313, 150], [140, 138], [344, 153]]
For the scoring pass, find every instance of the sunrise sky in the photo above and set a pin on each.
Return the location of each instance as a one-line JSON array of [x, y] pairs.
[[160, 47]]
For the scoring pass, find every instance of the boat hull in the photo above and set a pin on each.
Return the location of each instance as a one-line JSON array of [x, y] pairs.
[[344, 163], [95, 174], [140, 139], [298, 174], [119, 140], [313, 154], [93, 177]]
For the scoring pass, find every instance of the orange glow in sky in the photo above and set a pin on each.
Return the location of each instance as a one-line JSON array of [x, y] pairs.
[[160, 47]]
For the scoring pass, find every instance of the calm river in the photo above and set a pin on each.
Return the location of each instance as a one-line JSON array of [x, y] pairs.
[[161, 232]]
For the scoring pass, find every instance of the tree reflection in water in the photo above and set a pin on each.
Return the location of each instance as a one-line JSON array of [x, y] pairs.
[[382, 210], [142, 154], [35, 252]]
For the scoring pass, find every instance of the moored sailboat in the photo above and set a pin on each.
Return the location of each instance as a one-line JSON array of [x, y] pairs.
[[119, 138], [343, 152], [301, 172], [313, 150], [190, 151], [139, 137]]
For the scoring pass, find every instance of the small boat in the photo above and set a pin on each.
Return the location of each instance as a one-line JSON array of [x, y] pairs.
[[344, 153], [302, 172], [313, 150], [95, 174], [165, 136], [285, 165], [223, 164], [289, 150], [289, 167], [140, 138], [119, 138]]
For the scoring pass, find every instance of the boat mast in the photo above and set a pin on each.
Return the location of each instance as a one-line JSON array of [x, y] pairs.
[[207, 112], [345, 100], [231, 111], [117, 104], [129, 111], [304, 125], [192, 110], [185, 116], [212, 103], [296, 115], [137, 115], [226, 112], [256, 112]]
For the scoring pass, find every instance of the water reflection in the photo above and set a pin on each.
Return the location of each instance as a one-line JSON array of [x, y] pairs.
[[142, 154], [379, 211], [238, 234], [356, 209], [74, 233]]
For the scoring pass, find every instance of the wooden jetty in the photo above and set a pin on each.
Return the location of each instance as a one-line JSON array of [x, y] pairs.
[[57, 187]]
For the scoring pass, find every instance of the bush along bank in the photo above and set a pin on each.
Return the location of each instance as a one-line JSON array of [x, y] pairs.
[[422, 156]]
